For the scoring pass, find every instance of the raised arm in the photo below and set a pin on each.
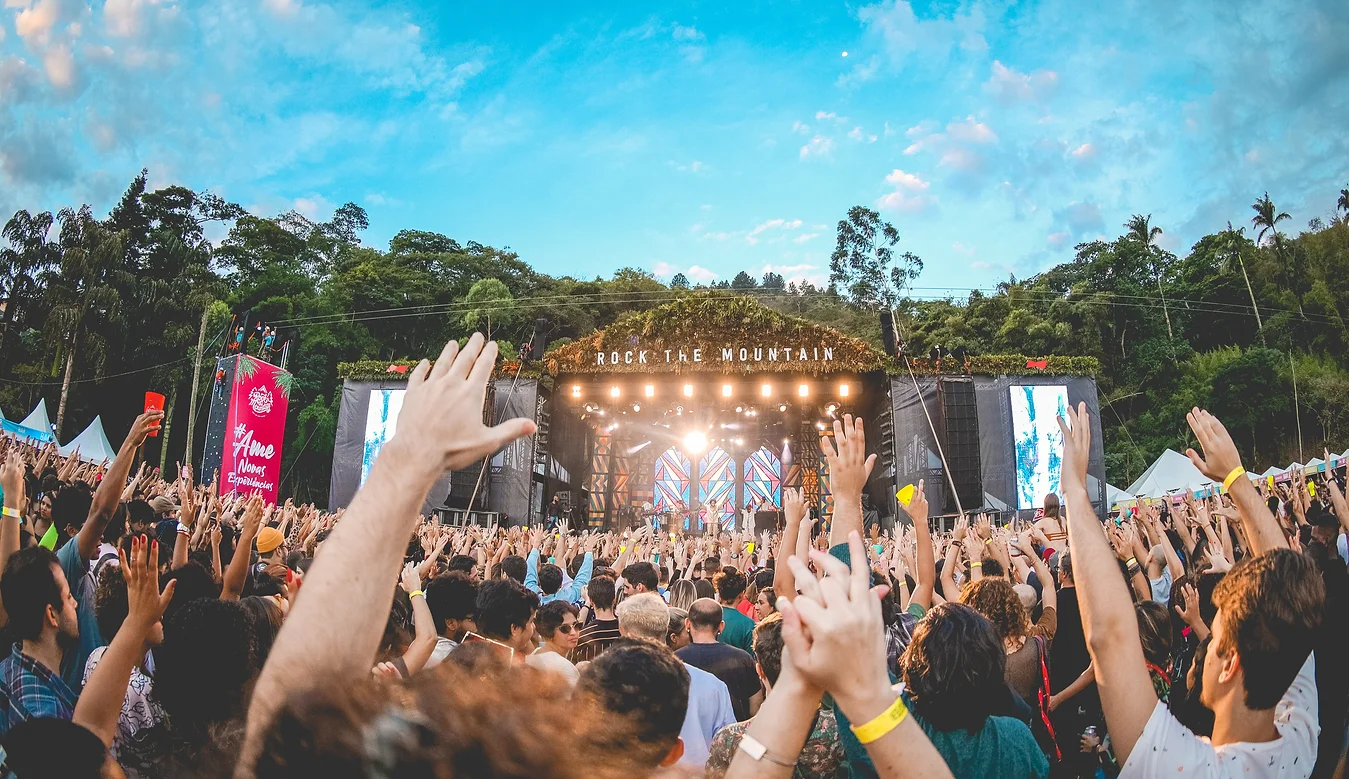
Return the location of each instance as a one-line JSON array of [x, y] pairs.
[[925, 568], [794, 507], [110, 489], [233, 584], [1221, 462], [100, 702], [424, 625], [333, 631], [1107, 611], [849, 467], [1049, 595], [11, 478]]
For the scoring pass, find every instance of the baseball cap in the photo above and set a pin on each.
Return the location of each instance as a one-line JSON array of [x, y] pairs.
[[269, 538]]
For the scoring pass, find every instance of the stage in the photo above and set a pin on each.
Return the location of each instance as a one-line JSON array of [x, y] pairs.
[[698, 413]]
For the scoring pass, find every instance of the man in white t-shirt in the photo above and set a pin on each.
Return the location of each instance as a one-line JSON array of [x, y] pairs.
[[1259, 676]]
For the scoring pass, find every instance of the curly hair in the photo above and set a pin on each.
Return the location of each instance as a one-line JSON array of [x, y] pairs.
[[955, 668], [110, 601], [998, 602]]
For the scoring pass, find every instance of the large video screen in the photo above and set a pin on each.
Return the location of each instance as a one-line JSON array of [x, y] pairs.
[[1039, 442], [381, 422]]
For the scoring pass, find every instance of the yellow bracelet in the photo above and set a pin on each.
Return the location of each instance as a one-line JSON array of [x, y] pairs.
[[1132, 562], [884, 722], [9, 512], [977, 564], [1231, 477], [415, 593]]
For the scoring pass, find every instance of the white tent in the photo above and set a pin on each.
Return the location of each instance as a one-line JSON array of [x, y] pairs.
[[1314, 464], [38, 420], [1171, 472], [1271, 471], [1115, 496], [92, 443]]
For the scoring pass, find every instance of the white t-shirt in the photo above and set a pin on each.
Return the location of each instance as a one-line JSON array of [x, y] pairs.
[[139, 709], [1167, 748], [546, 660]]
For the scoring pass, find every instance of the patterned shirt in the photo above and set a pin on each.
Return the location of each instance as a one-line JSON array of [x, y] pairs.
[[821, 756], [30, 690]]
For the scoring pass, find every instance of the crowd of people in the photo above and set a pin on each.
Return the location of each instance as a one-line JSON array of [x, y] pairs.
[[158, 628]]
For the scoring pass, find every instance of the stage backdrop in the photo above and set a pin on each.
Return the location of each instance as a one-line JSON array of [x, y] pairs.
[[368, 419], [1019, 443], [247, 426]]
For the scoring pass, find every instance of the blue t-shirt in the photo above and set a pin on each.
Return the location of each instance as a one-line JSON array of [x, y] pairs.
[[81, 582], [1002, 747]]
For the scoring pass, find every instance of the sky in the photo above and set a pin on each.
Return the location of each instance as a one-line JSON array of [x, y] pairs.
[[691, 137]]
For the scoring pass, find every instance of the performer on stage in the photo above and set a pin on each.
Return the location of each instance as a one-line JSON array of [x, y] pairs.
[[554, 514]]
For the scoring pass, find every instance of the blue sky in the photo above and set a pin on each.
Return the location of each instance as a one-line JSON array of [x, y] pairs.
[[693, 137]]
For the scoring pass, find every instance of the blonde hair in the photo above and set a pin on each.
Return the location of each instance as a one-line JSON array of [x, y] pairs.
[[644, 615]]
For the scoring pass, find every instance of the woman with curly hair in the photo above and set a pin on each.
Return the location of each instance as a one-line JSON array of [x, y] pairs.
[[1026, 645]]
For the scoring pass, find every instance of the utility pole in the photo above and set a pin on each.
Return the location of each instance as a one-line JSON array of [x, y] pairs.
[[196, 377], [1297, 410]]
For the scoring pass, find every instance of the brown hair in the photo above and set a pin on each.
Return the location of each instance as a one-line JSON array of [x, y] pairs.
[[1051, 506], [1270, 607], [997, 601], [443, 723]]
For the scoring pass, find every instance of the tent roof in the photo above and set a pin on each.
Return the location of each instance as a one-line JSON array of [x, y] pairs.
[[92, 443], [1272, 471], [1171, 472], [38, 419], [1114, 495]]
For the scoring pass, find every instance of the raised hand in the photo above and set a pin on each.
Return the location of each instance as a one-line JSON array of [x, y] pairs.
[[145, 602], [409, 580], [1076, 429], [11, 478], [1220, 452], [793, 505], [441, 420], [849, 465], [141, 427]]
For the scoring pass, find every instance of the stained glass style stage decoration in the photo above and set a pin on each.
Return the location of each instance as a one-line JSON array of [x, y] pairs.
[[763, 477], [672, 482], [716, 482]]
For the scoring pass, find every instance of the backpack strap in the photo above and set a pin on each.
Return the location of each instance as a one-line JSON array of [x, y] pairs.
[[1043, 695]]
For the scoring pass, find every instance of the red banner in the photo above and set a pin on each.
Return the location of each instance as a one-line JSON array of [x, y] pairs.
[[255, 430]]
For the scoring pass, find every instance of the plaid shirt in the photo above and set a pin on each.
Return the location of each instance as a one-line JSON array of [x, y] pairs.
[[29, 690]]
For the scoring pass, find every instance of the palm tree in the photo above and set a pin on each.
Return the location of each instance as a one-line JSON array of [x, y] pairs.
[[1343, 203], [1266, 218], [83, 290], [29, 255], [1232, 241], [1141, 230]]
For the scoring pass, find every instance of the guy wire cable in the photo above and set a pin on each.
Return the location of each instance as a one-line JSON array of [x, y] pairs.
[[903, 355], [509, 394]]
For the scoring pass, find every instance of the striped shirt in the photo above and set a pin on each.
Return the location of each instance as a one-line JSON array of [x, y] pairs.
[[595, 638]]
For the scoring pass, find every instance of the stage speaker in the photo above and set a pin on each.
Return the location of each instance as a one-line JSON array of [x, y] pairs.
[[888, 332], [960, 418], [539, 344]]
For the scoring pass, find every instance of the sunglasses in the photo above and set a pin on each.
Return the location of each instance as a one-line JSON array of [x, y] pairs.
[[566, 629]]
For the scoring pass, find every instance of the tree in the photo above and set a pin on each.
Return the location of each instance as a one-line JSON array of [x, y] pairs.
[[1267, 218], [864, 260], [680, 281], [1343, 203], [29, 256], [490, 305], [1142, 231], [1233, 243], [744, 281], [84, 292], [773, 281]]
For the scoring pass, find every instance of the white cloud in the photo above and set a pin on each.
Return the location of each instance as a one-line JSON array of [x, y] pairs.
[[59, 64], [772, 224], [689, 33], [902, 36], [798, 272], [909, 195], [700, 275], [283, 8], [825, 115], [800, 128], [857, 135], [1011, 86], [693, 167], [963, 249], [1059, 239], [313, 208], [819, 146], [805, 237], [694, 273], [1084, 152], [1081, 218], [971, 131]]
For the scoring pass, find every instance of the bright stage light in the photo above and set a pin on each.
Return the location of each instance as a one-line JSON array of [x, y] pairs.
[[739, 409], [636, 406], [725, 390], [831, 410], [819, 425], [576, 390], [803, 390], [651, 390], [843, 390], [688, 390], [782, 407], [767, 390], [695, 442], [615, 392]]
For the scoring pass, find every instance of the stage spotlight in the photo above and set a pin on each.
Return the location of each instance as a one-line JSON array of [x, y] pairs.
[[614, 392], [819, 425], [590, 408], [843, 390], [725, 390], [739, 409], [688, 390], [695, 442], [766, 390], [782, 407], [651, 390], [831, 410], [576, 390], [636, 406], [803, 390], [679, 410]]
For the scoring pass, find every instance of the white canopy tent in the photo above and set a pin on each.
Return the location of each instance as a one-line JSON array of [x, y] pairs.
[[1271, 471], [36, 427], [92, 444], [1172, 472], [38, 419], [1115, 496]]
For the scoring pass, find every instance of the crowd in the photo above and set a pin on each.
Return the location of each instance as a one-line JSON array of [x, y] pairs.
[[157, 628]]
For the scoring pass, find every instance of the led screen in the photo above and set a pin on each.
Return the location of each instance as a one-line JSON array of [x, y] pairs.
[[381, 421], [1039, 443]]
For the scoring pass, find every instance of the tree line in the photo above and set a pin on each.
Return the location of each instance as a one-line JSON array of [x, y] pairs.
[[99, 310]]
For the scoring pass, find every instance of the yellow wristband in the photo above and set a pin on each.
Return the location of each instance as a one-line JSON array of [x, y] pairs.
[[977, 564], [9, 512], [1132, 562], [885, 722], [1231, 477], [415, 593]]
